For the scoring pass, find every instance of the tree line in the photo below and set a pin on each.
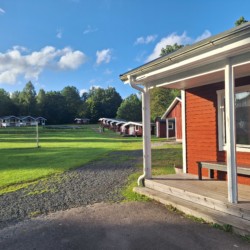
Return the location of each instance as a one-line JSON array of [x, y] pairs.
[[62, 107]]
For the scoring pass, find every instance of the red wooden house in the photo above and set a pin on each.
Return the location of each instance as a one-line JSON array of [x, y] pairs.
[[160, 125], [214, 78], [170, 124], [132, 129], [135, 128]]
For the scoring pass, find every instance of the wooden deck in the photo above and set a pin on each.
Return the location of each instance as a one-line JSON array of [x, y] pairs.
[[205, 198], [210, 187]]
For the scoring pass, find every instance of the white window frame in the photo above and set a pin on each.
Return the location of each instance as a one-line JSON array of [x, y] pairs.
[[221, 122], [170, 125]]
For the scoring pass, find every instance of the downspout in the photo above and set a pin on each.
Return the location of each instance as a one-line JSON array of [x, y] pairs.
[[146, 149]]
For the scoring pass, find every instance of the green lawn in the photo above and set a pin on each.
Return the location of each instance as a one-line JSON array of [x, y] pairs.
[[62, 149], [164, 158]]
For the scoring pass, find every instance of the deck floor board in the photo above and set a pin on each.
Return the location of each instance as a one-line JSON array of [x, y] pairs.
[[211, 188]]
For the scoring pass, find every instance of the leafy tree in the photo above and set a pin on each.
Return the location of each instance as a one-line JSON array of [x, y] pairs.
[[94, 107], [15, 98], [130, 109], [55, 108], [170, 48], [27, 99], [160, 99], [112, 102], [102, 103], [73, 102], [7, 107], [84, 96], [41, 102], [240, 21]]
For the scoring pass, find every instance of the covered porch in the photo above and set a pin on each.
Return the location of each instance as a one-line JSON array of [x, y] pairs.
[[218, 63]]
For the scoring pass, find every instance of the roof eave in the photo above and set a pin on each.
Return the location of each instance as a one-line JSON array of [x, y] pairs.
[[187, 51]]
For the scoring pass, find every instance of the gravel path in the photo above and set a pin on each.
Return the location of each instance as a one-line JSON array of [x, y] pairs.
[[99, 181]]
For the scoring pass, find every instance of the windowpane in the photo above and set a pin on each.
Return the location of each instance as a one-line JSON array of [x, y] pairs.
[[242, 104]]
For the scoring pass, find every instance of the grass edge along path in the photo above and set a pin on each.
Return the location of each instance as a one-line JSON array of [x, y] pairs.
[[164, 158]]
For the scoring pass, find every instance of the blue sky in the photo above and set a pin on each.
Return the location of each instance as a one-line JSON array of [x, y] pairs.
[[85, 43]]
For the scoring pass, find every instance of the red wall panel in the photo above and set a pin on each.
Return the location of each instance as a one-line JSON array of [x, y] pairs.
[[202, 129], [176, 113]]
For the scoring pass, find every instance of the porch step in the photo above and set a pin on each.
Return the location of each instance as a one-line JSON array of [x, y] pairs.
[[207, 200], [239, 225]]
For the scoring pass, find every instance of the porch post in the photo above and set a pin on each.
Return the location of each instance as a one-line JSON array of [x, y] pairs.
[[146, 133], [230, 134], [167, 131], [183, 120]]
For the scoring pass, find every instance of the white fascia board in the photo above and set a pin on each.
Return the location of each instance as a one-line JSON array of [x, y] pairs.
[[205, 58], [132, 123], [213, 69], [120, 122], [171, 106]]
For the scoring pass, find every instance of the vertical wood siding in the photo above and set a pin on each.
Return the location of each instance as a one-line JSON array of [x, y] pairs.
[[161, 129], [202, 129], [176, 113]]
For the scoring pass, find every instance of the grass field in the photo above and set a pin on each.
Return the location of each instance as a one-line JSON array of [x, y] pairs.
[[63, 149]]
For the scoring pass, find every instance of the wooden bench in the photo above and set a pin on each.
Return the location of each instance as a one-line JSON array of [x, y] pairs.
[[220, 166]]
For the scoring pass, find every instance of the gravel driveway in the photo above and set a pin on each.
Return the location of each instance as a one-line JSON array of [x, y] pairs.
[[98, 181]]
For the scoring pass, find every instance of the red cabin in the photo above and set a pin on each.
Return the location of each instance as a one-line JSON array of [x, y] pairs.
[[214, 78], [172, 121]]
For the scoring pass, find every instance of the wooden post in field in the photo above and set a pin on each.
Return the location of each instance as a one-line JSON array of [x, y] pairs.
[[37, 136]]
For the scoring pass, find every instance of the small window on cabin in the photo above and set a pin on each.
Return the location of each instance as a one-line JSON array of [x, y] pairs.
[[136, 128], [242, 120], [170, 125]]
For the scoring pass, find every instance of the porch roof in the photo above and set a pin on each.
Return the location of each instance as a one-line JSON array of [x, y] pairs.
[[26, 118], [132, 123], [199, 64], [9, 117]]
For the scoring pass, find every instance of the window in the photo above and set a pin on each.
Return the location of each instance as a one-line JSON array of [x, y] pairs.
[[242, 116], [170, 125]]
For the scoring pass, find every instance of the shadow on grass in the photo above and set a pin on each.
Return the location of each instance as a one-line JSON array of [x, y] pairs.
[[33, 168], [62, 140]]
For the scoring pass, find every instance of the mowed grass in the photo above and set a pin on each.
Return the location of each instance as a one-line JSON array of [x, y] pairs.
[[164, 158], [60, 150]]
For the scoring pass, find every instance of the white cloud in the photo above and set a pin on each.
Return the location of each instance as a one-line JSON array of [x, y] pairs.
[[59, 33], [20, 48], [82, 91], [108, 72], [146, 40], [103, 56], [89, 29], [173, 38], [2, 11], [71, 60], [17, 62], [205, 35]]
